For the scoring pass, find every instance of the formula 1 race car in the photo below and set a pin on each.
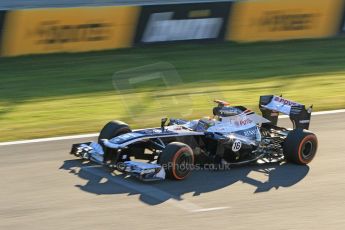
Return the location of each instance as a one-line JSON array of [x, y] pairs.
[[233, 136]]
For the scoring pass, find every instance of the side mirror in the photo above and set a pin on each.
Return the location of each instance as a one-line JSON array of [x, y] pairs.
[[163, 121]]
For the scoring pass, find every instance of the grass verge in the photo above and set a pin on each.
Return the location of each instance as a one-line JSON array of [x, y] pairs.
[[58, 94]]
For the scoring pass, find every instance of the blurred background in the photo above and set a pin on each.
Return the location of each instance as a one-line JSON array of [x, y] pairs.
[[68, 67]]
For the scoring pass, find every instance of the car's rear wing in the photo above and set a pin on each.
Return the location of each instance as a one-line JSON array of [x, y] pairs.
[[271, 106]]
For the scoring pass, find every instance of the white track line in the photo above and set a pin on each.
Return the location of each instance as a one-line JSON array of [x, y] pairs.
[[49, 139], [209, 209], [318, 113], [96, 134]]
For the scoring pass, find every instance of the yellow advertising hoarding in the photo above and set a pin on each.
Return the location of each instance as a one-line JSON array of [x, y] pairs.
[[256, 20], [68, 30]]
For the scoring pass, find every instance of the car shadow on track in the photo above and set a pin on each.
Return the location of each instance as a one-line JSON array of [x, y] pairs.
[[104, 182]]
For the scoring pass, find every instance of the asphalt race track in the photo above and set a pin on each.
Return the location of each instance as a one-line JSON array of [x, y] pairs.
[[43, 187]]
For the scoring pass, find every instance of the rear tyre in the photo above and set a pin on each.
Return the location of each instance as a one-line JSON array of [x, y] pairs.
[[113, 129], [177, 159], [300, 146]]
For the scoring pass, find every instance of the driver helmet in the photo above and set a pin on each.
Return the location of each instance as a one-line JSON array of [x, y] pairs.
[[205, 123], [207, 120]]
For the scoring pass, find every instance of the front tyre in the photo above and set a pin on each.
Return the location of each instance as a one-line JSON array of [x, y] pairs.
[[177, 159], [300, 146], [113, 129], [110, 130]]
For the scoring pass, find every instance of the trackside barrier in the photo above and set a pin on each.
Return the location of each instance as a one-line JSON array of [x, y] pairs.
[[183, 22], [2, 21], [342, 22], [68, 29], [51, 30], [257, 20]]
